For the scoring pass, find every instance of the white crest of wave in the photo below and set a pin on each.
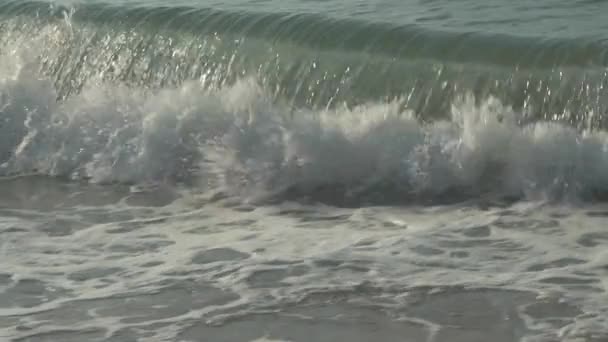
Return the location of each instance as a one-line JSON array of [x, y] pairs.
[[238, 139]]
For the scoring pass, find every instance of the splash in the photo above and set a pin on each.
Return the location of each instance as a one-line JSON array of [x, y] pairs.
[[239, 140]]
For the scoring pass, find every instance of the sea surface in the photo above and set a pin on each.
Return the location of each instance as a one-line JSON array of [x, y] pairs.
[[304, 171]]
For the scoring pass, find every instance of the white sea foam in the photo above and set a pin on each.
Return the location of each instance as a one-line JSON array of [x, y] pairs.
[[193, 271], [237, 139], [105, 263]]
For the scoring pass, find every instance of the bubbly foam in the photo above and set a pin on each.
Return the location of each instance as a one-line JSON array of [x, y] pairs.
[[530, 273], [88, 260], [236, 139]]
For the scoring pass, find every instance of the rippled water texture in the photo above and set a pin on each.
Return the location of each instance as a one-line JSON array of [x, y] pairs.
[[110, 265], [303, 171]]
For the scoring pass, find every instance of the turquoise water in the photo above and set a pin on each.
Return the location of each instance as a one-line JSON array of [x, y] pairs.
[[295, 171], [549, 19], [545, 61]]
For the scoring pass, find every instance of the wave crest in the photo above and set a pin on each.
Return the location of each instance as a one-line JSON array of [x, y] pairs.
[[237, 140]]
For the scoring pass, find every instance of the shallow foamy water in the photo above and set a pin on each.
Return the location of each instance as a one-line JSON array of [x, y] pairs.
[[85, 262], [336, 171]]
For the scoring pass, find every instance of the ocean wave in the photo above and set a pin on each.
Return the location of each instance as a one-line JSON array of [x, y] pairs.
[[155, 48], [322, 32], [237, 139]]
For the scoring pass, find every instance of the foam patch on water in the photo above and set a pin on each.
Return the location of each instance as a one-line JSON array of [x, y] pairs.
[[235, 139], [529, 273]]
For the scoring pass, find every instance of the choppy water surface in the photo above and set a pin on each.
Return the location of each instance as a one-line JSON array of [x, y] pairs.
[[303, 171]]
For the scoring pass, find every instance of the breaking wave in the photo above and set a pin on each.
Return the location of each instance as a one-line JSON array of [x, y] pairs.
[[222, 108], [238, 140]]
